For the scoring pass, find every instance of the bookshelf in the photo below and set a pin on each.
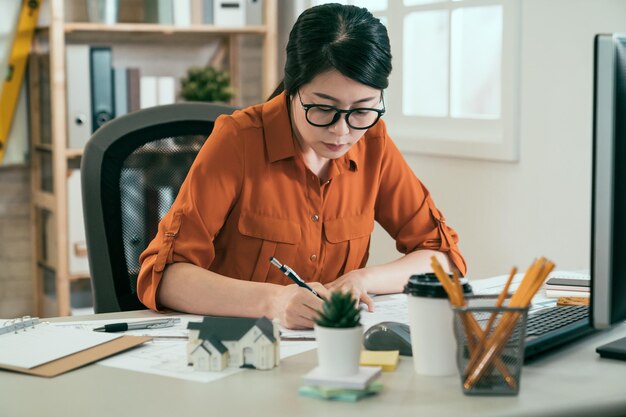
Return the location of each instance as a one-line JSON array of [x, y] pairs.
[[145, 45]]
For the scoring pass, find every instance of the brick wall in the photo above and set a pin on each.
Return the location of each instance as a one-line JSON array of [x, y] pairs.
[[16, 277]]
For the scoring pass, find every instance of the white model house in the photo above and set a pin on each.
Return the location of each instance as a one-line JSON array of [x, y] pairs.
[[218, 342]]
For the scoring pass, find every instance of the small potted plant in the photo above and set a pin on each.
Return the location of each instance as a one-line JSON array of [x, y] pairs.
[[339, 335], [206, 84]]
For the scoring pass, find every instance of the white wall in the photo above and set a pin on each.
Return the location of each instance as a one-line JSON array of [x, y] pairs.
[[509, 213]]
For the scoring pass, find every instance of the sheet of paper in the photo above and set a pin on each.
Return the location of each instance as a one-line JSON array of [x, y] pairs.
[[493, 286], [167, 354], [43, 343], [177, 331], [388, 308]]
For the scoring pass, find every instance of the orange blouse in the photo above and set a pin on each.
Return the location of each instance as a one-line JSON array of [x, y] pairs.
[[249, 196]]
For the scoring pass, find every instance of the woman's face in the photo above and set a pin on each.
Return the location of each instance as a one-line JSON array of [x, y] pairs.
[[334, 89]]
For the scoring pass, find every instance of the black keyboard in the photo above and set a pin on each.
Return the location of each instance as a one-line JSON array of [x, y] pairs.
[[553, 318]]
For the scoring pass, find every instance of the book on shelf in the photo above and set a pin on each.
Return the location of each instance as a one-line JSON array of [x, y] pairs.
[[196, 9], [166, 90], [120, 91], [159, 11], [154, 91], [148, 91], [133, 89], [207, 11]]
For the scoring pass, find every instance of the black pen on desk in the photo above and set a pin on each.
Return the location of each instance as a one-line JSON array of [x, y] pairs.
[[138, 325], [291, 274]]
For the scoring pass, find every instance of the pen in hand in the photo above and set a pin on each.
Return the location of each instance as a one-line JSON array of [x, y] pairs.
[[291, 274], [137, 325]]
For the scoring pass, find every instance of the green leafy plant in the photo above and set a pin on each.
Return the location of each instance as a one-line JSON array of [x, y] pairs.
[[340, 311], [206, 84]]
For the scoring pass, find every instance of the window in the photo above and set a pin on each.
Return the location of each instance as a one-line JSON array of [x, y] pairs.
[[453, 89]]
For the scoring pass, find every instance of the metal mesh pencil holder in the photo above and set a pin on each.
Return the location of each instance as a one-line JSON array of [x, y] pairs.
[[489, 364]]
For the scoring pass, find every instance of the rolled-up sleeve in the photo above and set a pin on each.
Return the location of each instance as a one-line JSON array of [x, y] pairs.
[[405, 209], [186, 233]]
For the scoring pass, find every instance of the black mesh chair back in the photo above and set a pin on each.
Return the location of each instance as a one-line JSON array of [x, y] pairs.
[[132, 169]]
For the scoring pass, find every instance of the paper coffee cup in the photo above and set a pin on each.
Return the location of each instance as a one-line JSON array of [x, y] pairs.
[[431, 324]]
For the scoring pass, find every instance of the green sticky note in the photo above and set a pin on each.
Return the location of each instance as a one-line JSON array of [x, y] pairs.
[[340, 394]]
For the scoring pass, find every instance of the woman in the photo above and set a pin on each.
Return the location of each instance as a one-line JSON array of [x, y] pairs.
[[301, 177]]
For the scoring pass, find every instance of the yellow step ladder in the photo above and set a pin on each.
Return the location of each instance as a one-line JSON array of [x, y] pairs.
[[26, 24]]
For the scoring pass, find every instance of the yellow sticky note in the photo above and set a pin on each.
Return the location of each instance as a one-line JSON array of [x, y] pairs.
[[387, 359]]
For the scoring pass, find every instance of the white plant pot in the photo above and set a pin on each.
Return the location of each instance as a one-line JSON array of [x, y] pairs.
[[338, 350]]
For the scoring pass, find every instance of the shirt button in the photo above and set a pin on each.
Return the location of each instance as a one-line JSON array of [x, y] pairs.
[[313, 258], [315, 217]]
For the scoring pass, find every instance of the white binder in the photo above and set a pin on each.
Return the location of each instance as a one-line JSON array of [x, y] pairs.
[[79, 126], [148, 91], [254, 12], [166, 93], [229, 13], [78, 263]]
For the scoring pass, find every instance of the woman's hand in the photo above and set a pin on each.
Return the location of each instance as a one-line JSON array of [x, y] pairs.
[[355, 282], [297, 307]]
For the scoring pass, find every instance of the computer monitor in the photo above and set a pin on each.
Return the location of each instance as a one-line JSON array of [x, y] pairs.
[[608, 225]]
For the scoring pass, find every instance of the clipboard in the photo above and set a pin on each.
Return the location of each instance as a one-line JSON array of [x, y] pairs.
[[69, 362]]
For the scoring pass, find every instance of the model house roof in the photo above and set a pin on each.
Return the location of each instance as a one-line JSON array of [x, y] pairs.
[[208, 335], [231, 328]]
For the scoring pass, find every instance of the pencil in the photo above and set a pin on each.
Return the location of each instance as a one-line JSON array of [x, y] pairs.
[[473, 331], [532, 281]]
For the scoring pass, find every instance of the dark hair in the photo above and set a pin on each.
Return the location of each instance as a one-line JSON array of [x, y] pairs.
[[348, 39]]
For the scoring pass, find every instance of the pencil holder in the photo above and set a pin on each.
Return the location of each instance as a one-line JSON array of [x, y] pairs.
[[490, 346]]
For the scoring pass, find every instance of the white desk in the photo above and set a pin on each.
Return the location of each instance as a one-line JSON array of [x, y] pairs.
[[574, 382]]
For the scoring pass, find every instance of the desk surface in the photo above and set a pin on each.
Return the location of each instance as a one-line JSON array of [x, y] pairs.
[[575, 381]]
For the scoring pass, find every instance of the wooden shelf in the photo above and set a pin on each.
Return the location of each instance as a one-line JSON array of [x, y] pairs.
[[46, 265], [79, 277], [73, 153], [148, 32], [43, 147], [44, 200], [214, 43]]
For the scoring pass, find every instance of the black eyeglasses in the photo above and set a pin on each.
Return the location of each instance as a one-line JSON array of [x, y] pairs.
[[323, 115]]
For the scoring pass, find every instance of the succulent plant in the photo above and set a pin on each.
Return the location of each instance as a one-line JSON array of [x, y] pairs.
[[206, 84], [340, 311]]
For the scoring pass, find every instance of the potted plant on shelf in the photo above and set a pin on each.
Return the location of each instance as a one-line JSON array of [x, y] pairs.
[[206, 84], [339, 335]]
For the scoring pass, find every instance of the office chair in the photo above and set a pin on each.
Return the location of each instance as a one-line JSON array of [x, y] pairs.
[[131, 171]]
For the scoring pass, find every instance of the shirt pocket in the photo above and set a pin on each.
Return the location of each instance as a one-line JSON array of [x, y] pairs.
[[351, 235], [263, 237]]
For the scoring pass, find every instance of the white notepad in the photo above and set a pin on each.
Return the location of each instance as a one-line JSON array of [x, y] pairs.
[[33, 344], [361, 380]]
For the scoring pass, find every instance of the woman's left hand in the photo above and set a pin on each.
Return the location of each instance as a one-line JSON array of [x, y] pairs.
[[354, 282]]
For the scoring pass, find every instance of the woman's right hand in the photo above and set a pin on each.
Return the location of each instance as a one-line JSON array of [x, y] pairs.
[[297, 307]]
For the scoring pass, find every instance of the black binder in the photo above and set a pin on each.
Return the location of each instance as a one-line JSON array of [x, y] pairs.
[[101, 60]]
